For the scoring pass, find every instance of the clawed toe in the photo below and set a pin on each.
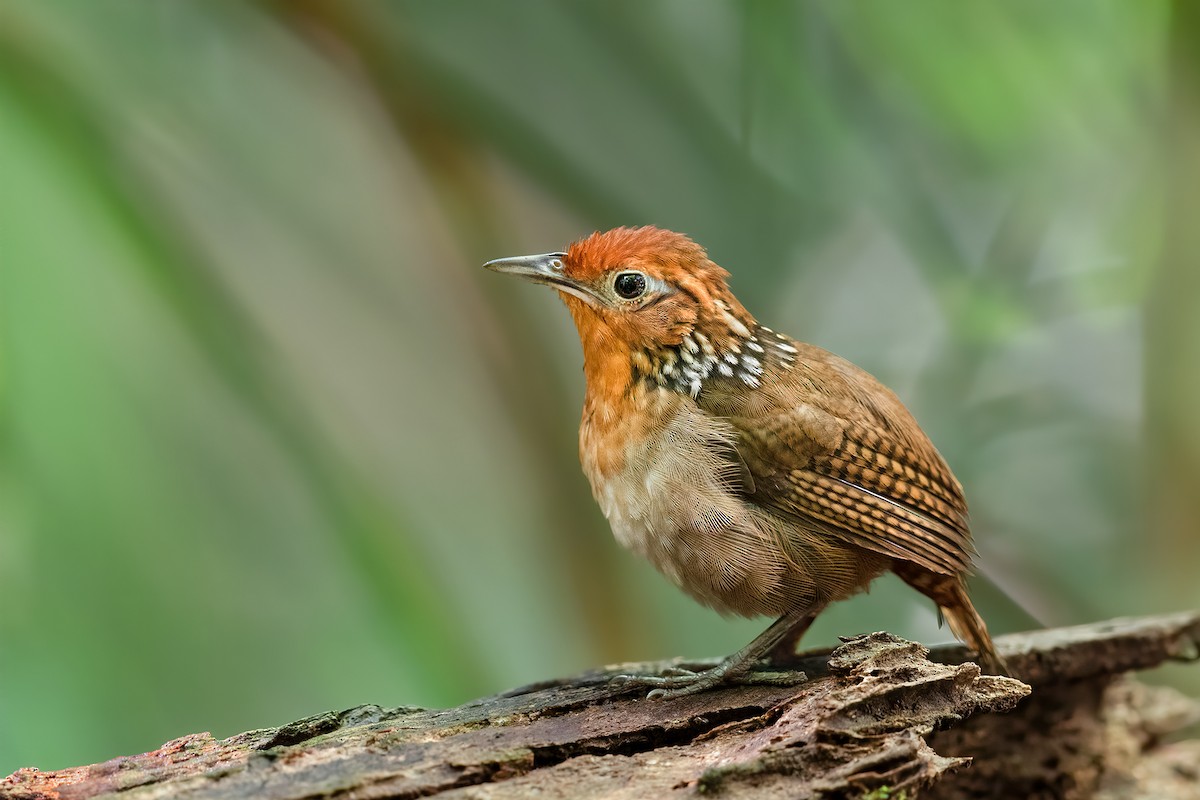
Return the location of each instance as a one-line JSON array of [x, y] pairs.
[[788, 678], [678, 672], [668, 678], [677, 682]]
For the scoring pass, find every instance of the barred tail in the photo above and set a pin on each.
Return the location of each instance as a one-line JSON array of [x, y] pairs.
[[966, 624], [950, 594]]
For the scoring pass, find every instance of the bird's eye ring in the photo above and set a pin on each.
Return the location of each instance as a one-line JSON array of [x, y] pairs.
[[629, 285]]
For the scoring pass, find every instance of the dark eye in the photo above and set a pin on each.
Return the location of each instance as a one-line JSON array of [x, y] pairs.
[[630, 285]]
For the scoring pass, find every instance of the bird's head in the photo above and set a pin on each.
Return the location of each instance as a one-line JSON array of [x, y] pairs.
[[646, 293]]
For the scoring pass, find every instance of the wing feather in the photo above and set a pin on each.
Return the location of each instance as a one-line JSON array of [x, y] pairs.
[[876, 522], [849, 460]]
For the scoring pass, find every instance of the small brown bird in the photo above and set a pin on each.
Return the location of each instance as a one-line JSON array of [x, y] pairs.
[[761, 475]]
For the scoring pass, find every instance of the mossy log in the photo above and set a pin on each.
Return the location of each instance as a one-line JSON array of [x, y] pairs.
[[879, 717]]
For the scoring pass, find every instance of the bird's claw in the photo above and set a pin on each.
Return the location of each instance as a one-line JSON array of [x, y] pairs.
[[675, 682], [672, 676], [786, 678]]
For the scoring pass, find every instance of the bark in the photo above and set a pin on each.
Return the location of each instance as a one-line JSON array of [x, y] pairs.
[[879, 717]]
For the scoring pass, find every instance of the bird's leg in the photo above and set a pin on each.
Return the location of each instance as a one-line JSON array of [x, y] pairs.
[[737, 668], [785, 649]]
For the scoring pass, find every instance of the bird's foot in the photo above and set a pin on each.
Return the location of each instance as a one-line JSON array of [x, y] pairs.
[[676, 682]]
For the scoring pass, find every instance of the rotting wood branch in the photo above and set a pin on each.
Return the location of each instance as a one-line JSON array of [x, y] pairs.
[[879, 717]]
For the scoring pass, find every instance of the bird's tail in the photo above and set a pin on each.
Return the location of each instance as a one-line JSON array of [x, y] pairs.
[[950, 594], [966, 624]]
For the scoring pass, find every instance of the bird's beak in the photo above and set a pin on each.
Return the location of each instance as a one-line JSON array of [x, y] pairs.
[[546, 269]]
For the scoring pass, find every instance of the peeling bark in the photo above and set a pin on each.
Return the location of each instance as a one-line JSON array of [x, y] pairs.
[[879, 717]]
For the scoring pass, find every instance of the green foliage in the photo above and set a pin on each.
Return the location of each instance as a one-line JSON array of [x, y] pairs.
[[885, 793], [271, 441]]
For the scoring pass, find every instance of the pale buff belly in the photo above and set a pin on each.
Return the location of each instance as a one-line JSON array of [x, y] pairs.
[[677, 497], [672, 500]]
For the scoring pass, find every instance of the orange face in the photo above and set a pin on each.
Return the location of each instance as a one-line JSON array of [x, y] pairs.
[[636, 288]]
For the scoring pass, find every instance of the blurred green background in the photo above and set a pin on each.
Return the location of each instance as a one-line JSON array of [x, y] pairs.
[[272, 442]]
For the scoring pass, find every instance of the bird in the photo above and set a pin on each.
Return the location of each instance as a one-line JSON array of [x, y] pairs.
[[761, 475]]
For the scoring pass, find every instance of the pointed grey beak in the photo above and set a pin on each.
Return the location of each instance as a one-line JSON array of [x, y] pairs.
[[546, 269], [543, 268]]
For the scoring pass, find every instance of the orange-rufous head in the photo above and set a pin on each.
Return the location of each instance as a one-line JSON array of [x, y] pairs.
[[638, 291]]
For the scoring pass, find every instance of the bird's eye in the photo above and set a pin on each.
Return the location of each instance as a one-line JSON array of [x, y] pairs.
[[630, 285]]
